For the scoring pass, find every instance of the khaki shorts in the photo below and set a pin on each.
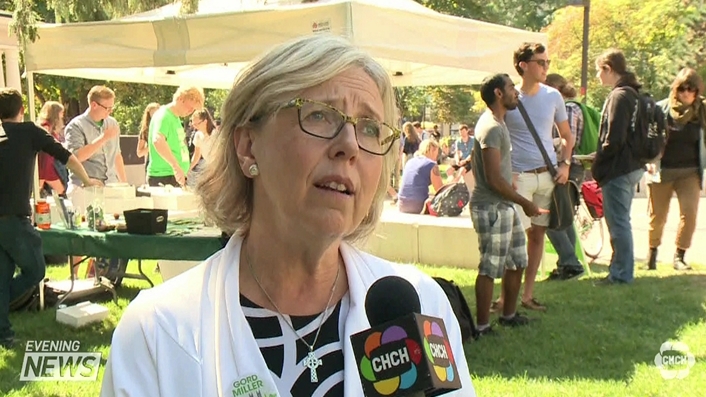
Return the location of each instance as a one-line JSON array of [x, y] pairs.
[[537, 188]]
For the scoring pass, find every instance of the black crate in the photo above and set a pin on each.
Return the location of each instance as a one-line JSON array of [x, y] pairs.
[[146, 221]]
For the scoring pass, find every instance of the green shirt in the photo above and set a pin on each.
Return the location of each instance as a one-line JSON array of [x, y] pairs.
[[167, 124]]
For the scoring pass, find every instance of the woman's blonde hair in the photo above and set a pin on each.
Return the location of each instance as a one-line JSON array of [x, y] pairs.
[[50, 115], [427, 146], [146, 118], [410, 133], [259, 92]]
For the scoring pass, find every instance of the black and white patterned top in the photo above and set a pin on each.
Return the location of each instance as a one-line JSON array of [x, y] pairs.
[[284, 353]]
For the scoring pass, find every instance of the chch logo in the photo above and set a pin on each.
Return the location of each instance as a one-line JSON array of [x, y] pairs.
[[390, 361], [674, 360], [438, 351]]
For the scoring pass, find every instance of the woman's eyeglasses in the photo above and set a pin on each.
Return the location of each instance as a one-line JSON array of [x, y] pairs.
[[686, 88], [325, 121]]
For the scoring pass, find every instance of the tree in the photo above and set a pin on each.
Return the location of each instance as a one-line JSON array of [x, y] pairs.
[[696, 37], [455, 104], [452, 104], [523, 14], [412, 102], [651, 33]]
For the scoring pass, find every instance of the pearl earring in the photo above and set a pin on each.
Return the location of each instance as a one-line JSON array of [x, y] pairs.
[[254, 171]]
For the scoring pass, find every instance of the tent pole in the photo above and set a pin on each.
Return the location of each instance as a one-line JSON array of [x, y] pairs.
[[32, 117]]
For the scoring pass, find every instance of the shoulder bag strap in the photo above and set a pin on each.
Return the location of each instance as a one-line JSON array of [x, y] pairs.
[[523, 111]]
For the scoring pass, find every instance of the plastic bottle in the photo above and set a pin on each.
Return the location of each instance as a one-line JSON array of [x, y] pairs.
[[42, 215]]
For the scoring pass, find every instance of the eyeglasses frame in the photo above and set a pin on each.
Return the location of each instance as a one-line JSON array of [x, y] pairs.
[[300, 102]]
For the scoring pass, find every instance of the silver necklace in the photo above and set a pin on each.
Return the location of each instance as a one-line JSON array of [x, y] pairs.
[[311, 361]]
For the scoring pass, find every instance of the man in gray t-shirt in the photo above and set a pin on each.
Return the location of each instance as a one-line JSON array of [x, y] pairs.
[[490, 133], [94, 137], [501, 236]]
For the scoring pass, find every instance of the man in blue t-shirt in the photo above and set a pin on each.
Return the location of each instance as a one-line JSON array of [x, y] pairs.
[[532, 178], [463, 148]]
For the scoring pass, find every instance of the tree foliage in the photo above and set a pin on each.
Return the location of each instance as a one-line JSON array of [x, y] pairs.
[[653, 34], [455, 104], [452, 104]]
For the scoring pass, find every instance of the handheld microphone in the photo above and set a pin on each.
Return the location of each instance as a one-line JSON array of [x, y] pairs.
[[405, 353]]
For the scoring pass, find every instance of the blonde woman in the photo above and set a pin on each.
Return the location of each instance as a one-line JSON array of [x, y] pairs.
[[681, 167], [419, 172], [52, 173], [143, 147], [299, 172], [410, 142]]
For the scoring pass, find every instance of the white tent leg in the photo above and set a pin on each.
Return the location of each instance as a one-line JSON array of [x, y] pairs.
[[35, 184], [32, 117]]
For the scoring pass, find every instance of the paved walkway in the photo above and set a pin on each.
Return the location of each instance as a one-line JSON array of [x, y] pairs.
[[641, 222]]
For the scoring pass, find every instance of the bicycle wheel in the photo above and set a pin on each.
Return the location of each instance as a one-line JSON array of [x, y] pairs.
[[590, 232]]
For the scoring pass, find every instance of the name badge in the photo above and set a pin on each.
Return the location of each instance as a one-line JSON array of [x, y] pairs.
[[254, 386]]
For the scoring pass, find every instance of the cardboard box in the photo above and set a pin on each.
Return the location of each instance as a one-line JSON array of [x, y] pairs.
[[82, 314]]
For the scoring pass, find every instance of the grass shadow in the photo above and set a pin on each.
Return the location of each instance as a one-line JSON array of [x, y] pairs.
[[592, 332], [42, 326]]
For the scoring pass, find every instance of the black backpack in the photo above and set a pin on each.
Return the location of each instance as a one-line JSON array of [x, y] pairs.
[[29, 300], [649, 126], [460, 308], [450, 200]]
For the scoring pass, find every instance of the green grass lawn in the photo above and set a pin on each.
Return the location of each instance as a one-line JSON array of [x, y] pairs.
[[593, 341]]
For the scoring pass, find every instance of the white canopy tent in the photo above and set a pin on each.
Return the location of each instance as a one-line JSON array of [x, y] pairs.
[[415, 44]]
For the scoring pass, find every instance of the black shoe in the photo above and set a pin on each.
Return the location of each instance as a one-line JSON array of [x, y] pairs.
[[608, 281], [514, 321], [569, 273], [679, 263], [652, 259], [488, 331], [604, 282], [556, 274]]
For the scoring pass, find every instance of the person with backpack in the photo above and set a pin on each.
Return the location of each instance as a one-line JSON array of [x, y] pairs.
[[584, 128], [20, 243], [617, 168], [681, 167]]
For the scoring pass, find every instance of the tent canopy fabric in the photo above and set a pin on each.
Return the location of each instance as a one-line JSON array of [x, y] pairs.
[[415, 44]]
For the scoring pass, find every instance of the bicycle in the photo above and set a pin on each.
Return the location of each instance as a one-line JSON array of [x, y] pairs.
[[590, 228], [589, 216]]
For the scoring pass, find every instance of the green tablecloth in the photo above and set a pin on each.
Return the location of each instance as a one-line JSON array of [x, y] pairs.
[[179, 243]]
